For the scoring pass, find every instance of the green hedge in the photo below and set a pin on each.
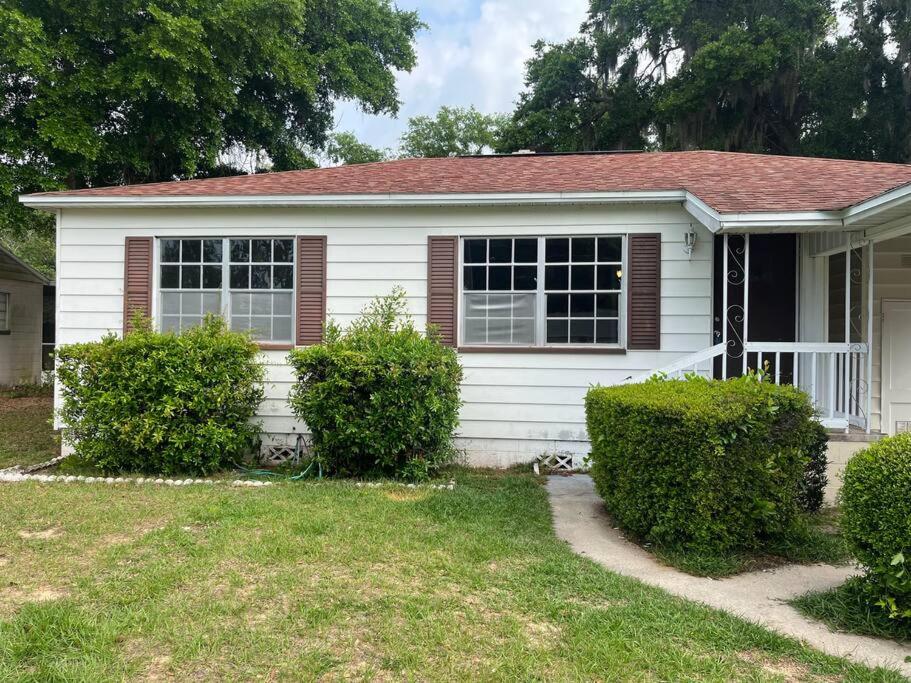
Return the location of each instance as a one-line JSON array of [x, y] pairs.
[[876, 520], [162, 403], [380, 397], [698, 464]]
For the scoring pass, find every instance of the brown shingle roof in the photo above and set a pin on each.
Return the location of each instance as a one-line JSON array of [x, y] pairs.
[[728, 182]]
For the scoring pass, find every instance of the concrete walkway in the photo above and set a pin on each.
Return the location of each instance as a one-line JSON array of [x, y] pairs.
[[580, 519]]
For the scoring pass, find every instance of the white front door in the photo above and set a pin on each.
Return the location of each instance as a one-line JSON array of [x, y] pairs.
[[896, 366]]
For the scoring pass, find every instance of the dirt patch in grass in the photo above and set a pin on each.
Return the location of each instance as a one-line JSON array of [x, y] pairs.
[[405, 495], [13, 598], [786, 669], [43, 535]]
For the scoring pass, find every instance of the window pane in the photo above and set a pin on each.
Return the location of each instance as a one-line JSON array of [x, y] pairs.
[[526, 251], [608, 332], [475, 251], [240, 323], [211, 251], [581, 331], [281, 304], [523, 331], [211, 303], [608, 278], [608, 305], [170, 323], [500, 278], [281, 329], [170, 251], [240, 251], [261, 277], [556, 277], [170, 303], [475, 278], [475, 305], [262, 327], [262, 251], [583, 277], [261, 304], [283, 251], [240, 277], [189, 277], [556, 250], [523, 306], [191, 251], [240, 304], [170, 277], [282, 277], [211, 277], [582, 305], [610, 249], [557, 331], [475, 331], [500, 252], [498, 331], [187, 322], [583, 249], [191, 303], [525, 278], [499, 305], [558, 305]]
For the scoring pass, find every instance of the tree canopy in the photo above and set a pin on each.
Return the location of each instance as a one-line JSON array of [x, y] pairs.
[[453, 131], [743, 75], [101, 93]]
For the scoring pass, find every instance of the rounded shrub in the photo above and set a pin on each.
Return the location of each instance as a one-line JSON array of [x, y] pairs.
[[812, 486], [876, 520], [700, 465], [162, 403], [379, 397]]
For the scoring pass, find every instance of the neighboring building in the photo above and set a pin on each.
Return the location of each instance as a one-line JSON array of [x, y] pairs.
[[550, 273], [21, 310]]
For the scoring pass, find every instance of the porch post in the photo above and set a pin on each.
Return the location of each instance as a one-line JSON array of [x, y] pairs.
[[724, 312], [746, 298], [869, 372], [845, 366]]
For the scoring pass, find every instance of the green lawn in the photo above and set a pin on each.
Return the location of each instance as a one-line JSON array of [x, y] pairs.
[[328, 580], [25, 431]]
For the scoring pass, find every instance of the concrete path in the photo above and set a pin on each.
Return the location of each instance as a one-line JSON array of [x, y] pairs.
[[580, 519]]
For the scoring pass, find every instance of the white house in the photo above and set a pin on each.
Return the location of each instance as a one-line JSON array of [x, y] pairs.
[[548, 272], [21, 307]]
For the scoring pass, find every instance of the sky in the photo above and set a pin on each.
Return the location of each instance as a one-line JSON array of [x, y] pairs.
[[473, 53]]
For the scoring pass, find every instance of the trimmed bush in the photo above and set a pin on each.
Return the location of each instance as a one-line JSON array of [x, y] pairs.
[[380, 397], [700, 465], [162, 403], [876, 520], [812, 487]]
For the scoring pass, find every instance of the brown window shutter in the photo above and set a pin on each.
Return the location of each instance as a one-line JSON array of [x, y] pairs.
[[442, 280], [311, 289], [137, 280], [644, 289]]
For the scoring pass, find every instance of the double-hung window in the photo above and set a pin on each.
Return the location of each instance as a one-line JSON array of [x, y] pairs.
[[250, 281], [4, 312], [542, 291]]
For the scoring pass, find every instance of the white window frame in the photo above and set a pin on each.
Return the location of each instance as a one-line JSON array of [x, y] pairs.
[[541, 298], [5, 319], [225, 279]]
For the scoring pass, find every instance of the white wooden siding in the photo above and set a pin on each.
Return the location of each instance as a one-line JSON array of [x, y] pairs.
[[20, 350], [516, 405]]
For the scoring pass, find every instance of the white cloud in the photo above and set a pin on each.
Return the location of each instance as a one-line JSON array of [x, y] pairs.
[[473, 53]]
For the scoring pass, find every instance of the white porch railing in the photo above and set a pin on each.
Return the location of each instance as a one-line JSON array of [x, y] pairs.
[[833, 374]]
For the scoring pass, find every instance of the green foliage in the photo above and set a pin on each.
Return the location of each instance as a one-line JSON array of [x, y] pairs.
[[162, 403], [104, 93], [454, 131], [700, 465], [345, 148], [812, 486], [379, 397], [876, 521]]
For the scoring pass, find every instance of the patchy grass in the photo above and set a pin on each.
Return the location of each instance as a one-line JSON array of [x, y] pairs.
[[26, 436], [333, 581], [846, 609], [816, 539]]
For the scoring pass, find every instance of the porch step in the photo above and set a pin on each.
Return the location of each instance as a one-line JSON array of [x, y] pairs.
[[854, 436]]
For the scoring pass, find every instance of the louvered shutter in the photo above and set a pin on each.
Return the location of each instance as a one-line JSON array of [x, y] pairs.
[[137, 280], [442, 283], [311, 289], [644, 288]]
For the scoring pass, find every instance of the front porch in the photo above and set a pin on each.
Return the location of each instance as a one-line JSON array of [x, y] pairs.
[[827, 311]]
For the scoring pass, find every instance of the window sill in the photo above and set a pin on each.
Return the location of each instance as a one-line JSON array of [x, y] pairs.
[[272, 346], [603, 350]]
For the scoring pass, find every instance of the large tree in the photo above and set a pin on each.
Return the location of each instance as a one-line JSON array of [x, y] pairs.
[[97, 92], [453, 131]]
